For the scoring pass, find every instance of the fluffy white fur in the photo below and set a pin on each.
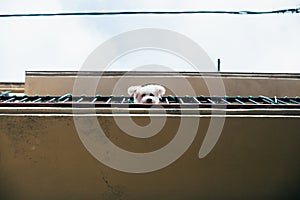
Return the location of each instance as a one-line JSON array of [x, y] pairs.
[[146, 94]]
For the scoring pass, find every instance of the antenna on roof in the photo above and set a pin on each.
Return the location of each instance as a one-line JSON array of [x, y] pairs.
[[219, 64]]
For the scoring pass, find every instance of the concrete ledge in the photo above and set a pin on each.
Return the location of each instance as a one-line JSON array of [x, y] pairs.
[[39, 111]]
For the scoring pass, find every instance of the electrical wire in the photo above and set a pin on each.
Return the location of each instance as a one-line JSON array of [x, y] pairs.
[[282, 11]]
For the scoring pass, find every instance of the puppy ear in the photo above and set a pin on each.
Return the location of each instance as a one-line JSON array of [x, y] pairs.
[[132, 89], [160, 90]]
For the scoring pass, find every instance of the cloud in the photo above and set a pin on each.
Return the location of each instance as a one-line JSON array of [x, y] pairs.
[[265, 43], [244, 43], [42, 43]]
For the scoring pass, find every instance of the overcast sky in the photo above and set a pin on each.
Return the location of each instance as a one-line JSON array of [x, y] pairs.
[[262, 43]]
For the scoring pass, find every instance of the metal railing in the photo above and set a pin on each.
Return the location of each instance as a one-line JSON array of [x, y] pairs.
[[68, 100]]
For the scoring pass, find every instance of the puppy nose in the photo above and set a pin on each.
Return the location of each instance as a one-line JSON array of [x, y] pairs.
[[149, 101]]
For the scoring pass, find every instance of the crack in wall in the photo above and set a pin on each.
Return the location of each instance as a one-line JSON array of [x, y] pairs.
[[113, 192]]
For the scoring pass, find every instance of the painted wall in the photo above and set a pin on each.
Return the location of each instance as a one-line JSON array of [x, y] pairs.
[[192, 84], [256, 157]]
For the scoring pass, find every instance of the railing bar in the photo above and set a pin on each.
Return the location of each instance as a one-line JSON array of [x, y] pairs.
[[79, 100], [261, 100], [282, 102], [296, 102], [24, 99], [211, 101], [67, 99], [266, 101], [239, 101], [123, 100], [51, 100], [167, 101], [109, 100], [225, 101], [4, 94], [94, 100], [180, 100], [197, 100], [39, 99], [251, 100], [8, 100]]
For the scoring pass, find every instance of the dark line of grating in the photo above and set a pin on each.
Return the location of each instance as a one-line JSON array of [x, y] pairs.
[[120, 101]]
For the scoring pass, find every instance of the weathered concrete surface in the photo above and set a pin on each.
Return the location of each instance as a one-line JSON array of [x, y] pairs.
[[42, 157]]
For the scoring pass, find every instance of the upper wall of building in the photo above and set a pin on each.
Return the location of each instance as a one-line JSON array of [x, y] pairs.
[[12, 87], [176, 83]]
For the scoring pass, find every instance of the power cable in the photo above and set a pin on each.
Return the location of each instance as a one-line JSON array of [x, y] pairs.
[[282, 11]]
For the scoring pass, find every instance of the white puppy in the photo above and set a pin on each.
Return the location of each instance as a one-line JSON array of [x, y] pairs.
[[146, 93]]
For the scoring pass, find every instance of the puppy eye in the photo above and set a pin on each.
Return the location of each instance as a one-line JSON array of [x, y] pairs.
[[151, 94], [143, 95]]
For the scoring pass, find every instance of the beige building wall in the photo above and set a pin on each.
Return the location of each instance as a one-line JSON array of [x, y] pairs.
[[12, 87], [256, 157], [116, 83]]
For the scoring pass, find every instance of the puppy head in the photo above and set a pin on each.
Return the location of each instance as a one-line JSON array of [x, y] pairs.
[[146, 94]]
